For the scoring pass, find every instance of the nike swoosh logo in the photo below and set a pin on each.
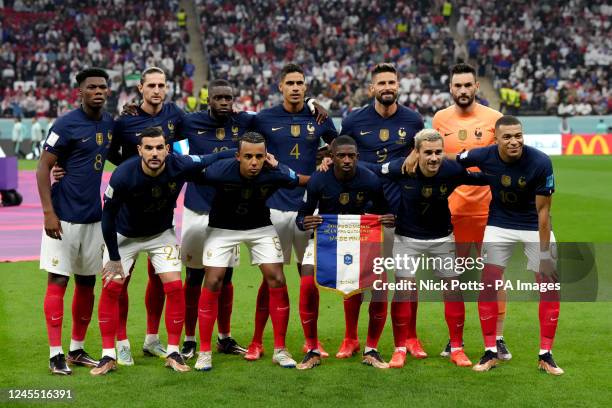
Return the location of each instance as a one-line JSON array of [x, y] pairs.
[[553, 319], [306, 321], [486, 318], [408, 187], [178, 321], [201, 132], [138, 134], [103, 321], [275, 129], [85, 139], [326, 197], [56, 318], [362, 133], [282, 308], [448, 134]]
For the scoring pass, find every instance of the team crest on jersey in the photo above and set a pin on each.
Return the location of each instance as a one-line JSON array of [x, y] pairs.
[[462, 134], [443, 189], [99, 138], [263, 191], [54, 261], [235, 130], [426, 191], [522, 182], [310, 128], [247, 193], [156, 192], [172, 186], [383, 135], [171, 128], [506, 180], [344, 198], [109, 135], [402, 136], [220, 133], [359, 197], [296, 130], [478, 133], [348, 259]]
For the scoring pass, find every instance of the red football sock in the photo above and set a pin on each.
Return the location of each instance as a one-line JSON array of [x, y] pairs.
[[454, 312], [82, 308], [309, 306], [207, 314], [279, 314], [351, 316], [378, 317], [175, 311], [262, 310], [154, 300], [487, 303], [192, 298], [54, 313], [400, 319], [108, 313], [548, 314], [226, 302], [414, 306], [124, 303]]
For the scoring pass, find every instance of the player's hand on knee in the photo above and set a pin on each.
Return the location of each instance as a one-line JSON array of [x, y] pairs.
[[411, 162], [112, 270], [548, 270], [325, 164], [312, 222], [58, 173], [388, 220], [53, 226]]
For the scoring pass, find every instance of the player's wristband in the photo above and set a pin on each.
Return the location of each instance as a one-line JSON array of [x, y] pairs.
[[545, 255]]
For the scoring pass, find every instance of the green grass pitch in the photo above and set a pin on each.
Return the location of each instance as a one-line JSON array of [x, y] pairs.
[[580, 210]]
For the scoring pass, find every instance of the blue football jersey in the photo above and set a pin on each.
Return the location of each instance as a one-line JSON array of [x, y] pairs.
[[423, 209], [81, 145], [129, 127], [207, 135], [514, 186], [293, 138], [239, 202], [363, 193], [383, 139]]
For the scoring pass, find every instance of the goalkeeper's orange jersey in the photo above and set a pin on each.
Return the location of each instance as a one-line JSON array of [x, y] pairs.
[[466, 132]]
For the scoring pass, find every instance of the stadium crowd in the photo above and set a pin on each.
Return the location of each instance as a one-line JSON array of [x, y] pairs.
[[45, 43], [556, 54], [337, 42], [544, 57]]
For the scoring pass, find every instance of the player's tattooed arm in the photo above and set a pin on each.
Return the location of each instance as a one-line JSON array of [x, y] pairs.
[[52, 225]]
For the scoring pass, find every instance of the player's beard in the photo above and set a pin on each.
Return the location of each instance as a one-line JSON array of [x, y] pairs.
[[470, 100], [388, 101]]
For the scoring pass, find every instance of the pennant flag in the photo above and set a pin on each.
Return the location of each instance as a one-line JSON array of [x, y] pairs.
[[345, 248]]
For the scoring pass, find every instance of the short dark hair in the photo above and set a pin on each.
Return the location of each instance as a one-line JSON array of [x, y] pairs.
[[90, 73], [219, 82], [151, 70], [507, 120], [251, 137], [289, 68], [462, 68], [153, 131], [343, 140], [383, 67]]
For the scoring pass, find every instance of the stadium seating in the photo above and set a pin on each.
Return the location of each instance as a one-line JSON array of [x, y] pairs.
[[45, 43], [556, 54]]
